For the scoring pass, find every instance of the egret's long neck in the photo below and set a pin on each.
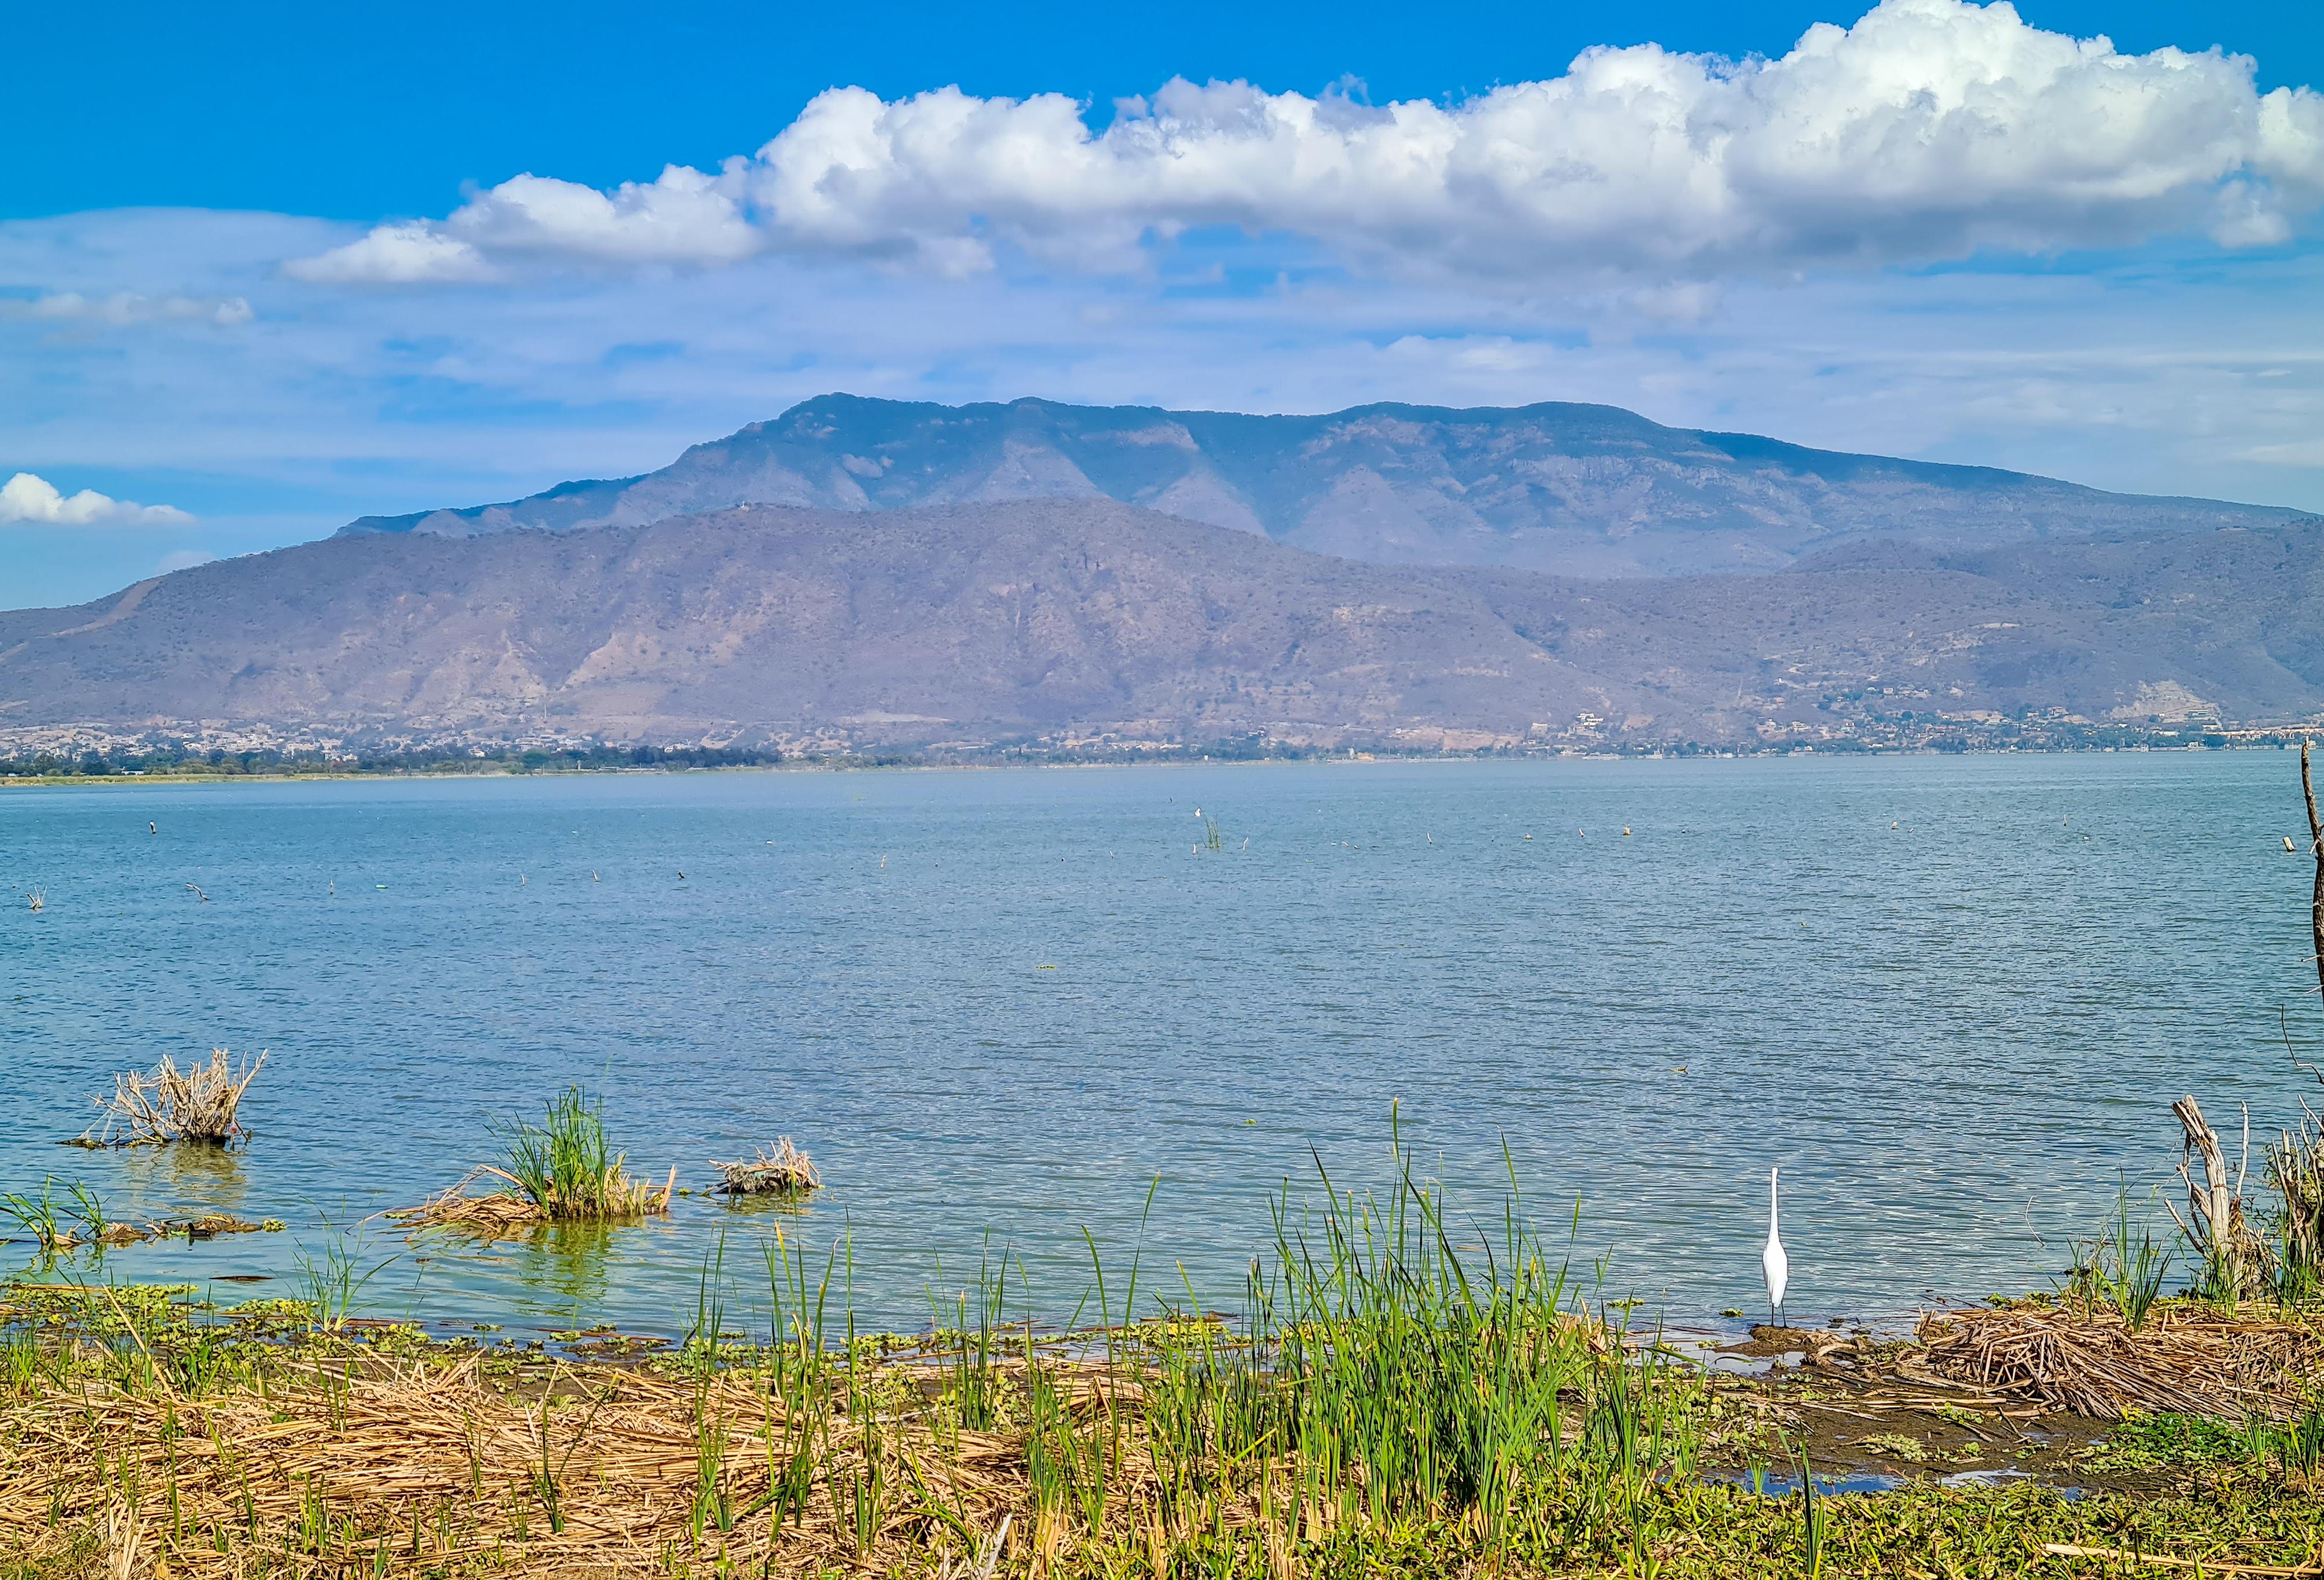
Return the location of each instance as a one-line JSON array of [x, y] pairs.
[[1774, 1203]]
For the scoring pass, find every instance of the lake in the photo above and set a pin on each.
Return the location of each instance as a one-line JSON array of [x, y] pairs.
[[1953, 997]]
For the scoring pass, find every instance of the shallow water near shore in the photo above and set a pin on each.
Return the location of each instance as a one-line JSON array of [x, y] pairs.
[[1007, 1003]]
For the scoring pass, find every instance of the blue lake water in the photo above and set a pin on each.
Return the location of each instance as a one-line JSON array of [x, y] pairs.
[[1952, 997]]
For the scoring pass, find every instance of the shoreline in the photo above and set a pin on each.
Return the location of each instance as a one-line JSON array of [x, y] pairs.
[[834, 764], [282, 1437]]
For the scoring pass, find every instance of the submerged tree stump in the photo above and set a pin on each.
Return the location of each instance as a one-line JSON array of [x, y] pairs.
[[2234, 1256]]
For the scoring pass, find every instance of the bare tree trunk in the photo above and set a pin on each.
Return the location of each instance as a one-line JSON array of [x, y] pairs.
[[2316, 847], [2217, 1225], [2212, 1202]]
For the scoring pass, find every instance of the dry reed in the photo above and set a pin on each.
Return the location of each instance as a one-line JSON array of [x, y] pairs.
[[622, 1196], [200, 1103], [2193, 1360], [601, 1473], [783, 1171]]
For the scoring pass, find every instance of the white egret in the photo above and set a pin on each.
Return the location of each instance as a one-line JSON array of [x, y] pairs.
[[1772, 1261], [2290, 848]]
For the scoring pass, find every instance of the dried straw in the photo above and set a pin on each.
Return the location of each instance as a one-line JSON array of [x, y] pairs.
[[462, 1475], [783, 1171], [2200, 1362], [166, 1104], [500, 1212]]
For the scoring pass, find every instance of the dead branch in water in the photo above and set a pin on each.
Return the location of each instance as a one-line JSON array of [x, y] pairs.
[[784, 1171], [2235, 1257], [166, 1104], [2316, 847]]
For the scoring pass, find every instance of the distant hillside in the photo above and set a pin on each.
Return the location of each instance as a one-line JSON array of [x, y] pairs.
[[1579, 490], [1065, 619]]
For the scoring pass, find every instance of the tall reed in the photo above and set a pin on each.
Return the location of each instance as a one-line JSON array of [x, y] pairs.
[[567, 1169]]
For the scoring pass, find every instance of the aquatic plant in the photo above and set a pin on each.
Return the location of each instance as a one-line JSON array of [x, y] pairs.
[[1813, 1519], [2120, 1267], [1163, 1441], [332, 1280], [39, 1218], [201, 1103], [45, 1219], [781, 1170], [2295, 1172], [563, 1170]]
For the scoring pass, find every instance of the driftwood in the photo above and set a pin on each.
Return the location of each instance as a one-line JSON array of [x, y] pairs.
[[783, 1171], [2235, 1257], [197, 1103], [2315, 849], [2067, 1549]]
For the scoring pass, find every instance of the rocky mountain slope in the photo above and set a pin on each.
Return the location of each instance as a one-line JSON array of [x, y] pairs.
[[1590, 491], [1066, 619]]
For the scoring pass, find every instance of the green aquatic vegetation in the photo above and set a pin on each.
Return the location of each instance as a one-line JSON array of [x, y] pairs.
[[1897, 1446], [2121, 1267], [1815, 1519], [40, 1218], [566, 1167], [334, 1277], [2165, 1439]]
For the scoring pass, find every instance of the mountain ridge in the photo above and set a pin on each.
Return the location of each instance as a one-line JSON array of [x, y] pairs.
[[1068, 620], [1574, 489]]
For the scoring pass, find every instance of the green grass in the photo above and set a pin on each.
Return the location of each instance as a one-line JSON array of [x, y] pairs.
[[2121, 1267], [566, 1167], [1406, 1390]]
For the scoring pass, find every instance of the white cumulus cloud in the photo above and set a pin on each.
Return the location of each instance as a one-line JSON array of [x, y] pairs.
[[35, 501], [396, 255], [1930, 129]]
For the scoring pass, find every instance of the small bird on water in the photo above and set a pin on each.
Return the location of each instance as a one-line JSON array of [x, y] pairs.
[[1772, 1261], [2288, 848], [151, 830], [196, 889]]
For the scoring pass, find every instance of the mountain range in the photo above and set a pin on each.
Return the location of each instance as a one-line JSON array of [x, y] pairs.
[[1585, 490], [1078, 620]]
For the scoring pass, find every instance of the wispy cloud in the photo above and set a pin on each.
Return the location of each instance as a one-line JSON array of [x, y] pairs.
[[1929, 130], [31, 501], [124, 308]]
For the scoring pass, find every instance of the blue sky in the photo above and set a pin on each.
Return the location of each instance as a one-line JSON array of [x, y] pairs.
[[264, 267]]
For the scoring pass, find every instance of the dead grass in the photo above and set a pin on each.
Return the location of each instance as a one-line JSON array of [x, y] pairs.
[[602, 1472], [2193, 1359], [512, 1211], [201, 1103], [783, 1170]]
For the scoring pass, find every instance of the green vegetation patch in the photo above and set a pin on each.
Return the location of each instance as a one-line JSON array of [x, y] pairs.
[[2166, 1440]]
